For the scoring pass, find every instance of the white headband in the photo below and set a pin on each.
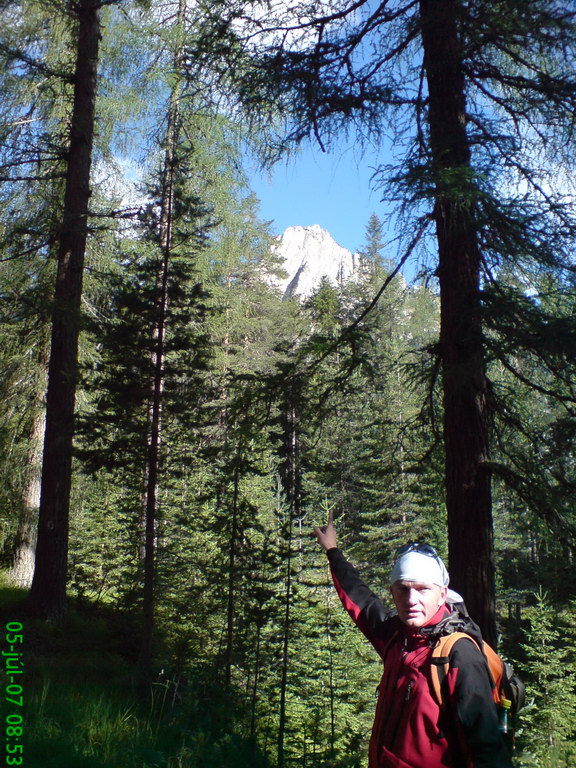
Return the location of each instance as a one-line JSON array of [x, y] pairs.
[[415, 566], [423, 569]]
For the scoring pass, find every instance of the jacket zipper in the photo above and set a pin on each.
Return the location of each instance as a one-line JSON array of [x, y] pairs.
[[405, 701]]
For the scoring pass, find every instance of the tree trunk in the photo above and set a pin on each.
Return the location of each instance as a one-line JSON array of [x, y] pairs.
[[466, 411], [24, 553], [231, 607], [48, 591], [254, 699], [285, 646], [331, 687], [291, 483], [150, 505]]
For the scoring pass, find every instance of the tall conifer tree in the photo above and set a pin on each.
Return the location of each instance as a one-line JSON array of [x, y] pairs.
[[35, 103], [48, 590]]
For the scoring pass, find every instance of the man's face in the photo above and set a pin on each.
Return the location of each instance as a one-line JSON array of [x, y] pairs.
[[417, 603]]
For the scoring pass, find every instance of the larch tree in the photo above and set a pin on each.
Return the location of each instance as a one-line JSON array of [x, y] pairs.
[[48, 590], [465, 386], [35, 103]]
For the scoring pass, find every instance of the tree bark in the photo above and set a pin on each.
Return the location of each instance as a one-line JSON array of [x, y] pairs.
[[285, 648], [292, 489], [24, 553], [48, 591], [231, 602], [157, 383], [150, 505], [466, 410], [254, 698]]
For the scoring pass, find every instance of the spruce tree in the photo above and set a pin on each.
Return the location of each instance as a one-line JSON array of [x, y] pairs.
[[547, 736]]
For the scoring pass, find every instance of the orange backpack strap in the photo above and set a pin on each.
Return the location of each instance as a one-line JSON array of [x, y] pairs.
[[496, 670], [440, 662]]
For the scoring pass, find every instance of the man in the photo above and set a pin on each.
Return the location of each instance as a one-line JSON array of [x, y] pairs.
[[411, 729]]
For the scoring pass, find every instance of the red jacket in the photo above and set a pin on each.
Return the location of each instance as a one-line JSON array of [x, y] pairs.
[[410, 729]]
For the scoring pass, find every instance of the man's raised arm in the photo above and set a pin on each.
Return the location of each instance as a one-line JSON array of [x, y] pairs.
[[365, 608]]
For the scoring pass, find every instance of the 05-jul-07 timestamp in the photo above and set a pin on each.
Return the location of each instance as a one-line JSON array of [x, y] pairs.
[[13, 695]]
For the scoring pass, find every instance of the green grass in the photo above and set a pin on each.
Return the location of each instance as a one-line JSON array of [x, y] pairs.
[[82, 708], [82, 725]]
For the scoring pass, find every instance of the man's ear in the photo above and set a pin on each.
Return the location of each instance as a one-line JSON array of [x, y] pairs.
[[443, 594]]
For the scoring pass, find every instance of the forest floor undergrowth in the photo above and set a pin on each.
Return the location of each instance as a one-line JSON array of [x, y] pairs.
[[81, 706]]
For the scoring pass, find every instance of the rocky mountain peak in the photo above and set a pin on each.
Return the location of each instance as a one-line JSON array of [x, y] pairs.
[[309, 254]]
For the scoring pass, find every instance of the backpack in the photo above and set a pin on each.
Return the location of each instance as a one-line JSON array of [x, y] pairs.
[[506, 685]]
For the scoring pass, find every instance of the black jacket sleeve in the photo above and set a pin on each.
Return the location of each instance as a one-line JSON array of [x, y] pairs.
[[475, 708]]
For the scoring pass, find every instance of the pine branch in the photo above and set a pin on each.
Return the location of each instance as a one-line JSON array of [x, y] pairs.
[[563, 399], [535, 498], [45, 177], [17, 55], [27, 252]]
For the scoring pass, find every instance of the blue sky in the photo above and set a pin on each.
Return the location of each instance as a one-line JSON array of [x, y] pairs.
[[331, 189]]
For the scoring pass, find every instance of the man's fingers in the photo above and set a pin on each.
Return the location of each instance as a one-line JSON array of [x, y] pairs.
[[330, 516]]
